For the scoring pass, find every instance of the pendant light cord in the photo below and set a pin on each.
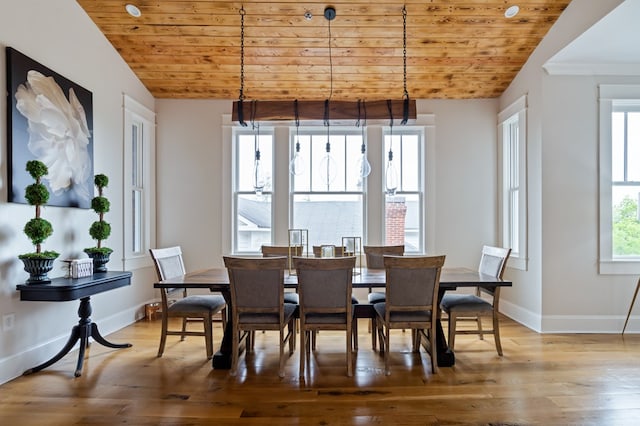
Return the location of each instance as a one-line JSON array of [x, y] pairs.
[[241, 94]]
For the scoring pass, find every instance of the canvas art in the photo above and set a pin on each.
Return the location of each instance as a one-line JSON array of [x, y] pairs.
[[50, 119]]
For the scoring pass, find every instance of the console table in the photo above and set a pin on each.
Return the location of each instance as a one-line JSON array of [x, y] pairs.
[[67, 289]]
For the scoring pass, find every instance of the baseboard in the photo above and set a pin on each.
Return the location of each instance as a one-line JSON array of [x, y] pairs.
[[603, 324], [15, 364]]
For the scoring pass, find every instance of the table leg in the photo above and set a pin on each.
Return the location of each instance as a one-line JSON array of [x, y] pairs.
[[446, 357], [82, 331], [222, 358]]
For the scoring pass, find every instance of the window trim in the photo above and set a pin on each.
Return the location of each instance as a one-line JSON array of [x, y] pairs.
[[608, 95], [519, 258], [374, 204], [135, 112]]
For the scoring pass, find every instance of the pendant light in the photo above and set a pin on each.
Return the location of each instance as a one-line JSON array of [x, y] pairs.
[[391, 174], [363, 166], [258, 172], [296, 165], [328, 166]]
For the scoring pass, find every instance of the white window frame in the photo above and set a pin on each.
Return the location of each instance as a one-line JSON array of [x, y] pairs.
[[138, 116], [374, 200], [513, 168], [611, 94]]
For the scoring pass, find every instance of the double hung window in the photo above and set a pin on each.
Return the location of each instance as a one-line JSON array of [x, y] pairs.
[[619, 179], [513, 148]]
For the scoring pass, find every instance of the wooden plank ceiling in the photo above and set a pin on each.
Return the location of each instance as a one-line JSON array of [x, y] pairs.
[[455, 49]]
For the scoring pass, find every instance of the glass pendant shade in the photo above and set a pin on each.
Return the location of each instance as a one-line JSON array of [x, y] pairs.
[[296, 165], [258, 175], [391, 176], [363, 166], [328, 169]]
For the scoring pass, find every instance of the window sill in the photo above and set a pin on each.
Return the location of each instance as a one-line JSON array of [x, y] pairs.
[[620, 267]]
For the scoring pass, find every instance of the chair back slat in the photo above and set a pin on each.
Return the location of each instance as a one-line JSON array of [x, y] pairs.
[[493, 262], [375, 254]]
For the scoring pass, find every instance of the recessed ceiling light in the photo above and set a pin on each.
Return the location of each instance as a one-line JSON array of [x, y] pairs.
[[511, 11], [133, 10]]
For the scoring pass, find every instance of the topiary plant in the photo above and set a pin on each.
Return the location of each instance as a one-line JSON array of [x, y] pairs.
[[37, 229], [100, 230]]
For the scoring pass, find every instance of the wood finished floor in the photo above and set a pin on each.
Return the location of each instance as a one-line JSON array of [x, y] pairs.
[[541, 380]]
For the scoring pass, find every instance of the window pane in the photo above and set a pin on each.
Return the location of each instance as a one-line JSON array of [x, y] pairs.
[[617, 146], [626, 227], [302, 182], [328, 217], [246, 155], [253, 222], [410, 163], [633, 147], [403, 221], [136, 211]]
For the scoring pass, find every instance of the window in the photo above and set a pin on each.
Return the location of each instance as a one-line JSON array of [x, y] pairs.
[[512, 137], [345, 205], [619, 179], [327, 198], [139, 201], [253, 189], [403, 208]]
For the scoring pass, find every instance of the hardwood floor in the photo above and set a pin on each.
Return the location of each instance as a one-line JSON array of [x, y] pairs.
[[541, 380]]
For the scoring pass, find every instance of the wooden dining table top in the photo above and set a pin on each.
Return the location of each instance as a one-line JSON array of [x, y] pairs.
[[217, 279]]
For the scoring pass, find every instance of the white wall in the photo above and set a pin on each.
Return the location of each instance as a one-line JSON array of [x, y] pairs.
[[59, 35], [189, 154], [562, 290]]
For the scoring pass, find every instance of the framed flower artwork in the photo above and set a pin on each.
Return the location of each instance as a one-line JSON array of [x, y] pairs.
[[50, 119]]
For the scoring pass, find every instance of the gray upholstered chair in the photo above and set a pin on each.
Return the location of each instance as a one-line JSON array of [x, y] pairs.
[[324, 286], [257, 303], [191, 308], [412, 284], [472, 307], [375, 260], [277, 251]]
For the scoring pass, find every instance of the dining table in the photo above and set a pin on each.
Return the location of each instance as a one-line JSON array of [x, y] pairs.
[[217, 280]]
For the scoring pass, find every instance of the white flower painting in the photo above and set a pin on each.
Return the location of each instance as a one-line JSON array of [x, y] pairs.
[[58, 132]]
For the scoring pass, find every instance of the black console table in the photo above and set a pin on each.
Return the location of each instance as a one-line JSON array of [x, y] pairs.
[[67, 289]]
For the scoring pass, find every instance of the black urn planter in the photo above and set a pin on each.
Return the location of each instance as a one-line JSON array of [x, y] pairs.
[[100, 261], [38, 269]]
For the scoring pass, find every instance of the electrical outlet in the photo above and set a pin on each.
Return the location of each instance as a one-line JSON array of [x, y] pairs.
[[8, 321]]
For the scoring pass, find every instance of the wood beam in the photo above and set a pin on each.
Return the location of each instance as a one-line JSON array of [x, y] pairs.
[[314, 110]]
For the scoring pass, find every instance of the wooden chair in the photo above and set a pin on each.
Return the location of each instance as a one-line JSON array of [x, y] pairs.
[[472, 307], [338, 251], [324, 285], [191, 308], [412, 302], [257, 303], [375, 260], [289, 252]]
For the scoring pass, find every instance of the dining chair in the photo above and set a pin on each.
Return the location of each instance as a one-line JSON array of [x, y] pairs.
[[472, 307], [289, 252], [257, 303], [374, 256], [324, 286], [337, 250], [412, 284], [190, 308]]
